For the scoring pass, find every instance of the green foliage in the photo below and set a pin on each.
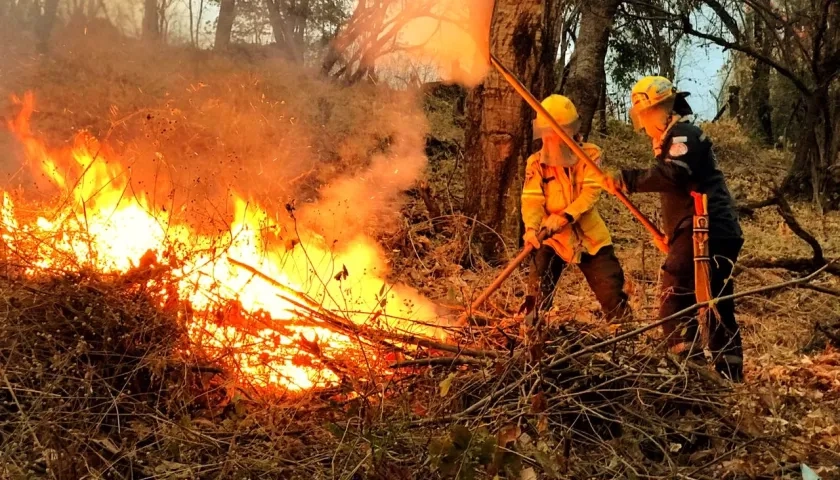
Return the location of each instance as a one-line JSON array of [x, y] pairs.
[[629, 57], [644, 42], [463, 453]]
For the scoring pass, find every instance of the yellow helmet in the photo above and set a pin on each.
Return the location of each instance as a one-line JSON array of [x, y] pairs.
[[562, 110], [649, 92]]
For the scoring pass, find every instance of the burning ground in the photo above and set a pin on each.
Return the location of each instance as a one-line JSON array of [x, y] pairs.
[[212, 269]]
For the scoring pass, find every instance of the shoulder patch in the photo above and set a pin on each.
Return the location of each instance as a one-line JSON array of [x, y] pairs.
[[677, 149]]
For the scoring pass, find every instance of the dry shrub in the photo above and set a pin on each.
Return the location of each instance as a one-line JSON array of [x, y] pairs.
[[85, 358]]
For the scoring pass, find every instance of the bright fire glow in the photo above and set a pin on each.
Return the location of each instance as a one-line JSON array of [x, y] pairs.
[[101, 223]]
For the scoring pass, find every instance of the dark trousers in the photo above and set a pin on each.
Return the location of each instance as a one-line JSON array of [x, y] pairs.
[[678, 294], [602, 272]]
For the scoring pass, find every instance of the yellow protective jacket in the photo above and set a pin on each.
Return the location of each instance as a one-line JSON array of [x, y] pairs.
[[558, 190]]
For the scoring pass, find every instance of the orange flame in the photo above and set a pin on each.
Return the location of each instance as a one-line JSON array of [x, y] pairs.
[[107, 226]]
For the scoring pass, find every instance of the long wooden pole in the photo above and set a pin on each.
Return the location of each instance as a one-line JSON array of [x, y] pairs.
[[500, 279], [528, 97]]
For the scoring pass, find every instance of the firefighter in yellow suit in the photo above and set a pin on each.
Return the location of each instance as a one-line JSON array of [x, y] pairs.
[[559, 195]]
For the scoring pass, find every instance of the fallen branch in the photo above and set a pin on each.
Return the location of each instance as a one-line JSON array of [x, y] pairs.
[[787, 214], [438, 361], [309, 306], [532, 373], [821, 289], [793, 264]]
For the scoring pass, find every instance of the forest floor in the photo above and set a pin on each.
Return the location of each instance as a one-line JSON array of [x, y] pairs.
[[111, 398]]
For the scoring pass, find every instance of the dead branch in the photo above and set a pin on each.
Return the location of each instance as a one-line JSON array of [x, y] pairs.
[[438, 361], [787, 214], [432, 206], [307, 305], [793, 264], [821, 289], [634, 333]]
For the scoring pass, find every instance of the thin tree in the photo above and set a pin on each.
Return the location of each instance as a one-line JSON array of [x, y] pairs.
[[45, 24], [224, 26], [151, 25], [587, 79]]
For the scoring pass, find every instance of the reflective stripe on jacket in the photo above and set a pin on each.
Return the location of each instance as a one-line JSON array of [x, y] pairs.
[[558, 190]]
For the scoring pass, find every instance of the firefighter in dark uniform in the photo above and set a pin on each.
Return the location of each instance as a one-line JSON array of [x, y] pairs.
[[685, 163]]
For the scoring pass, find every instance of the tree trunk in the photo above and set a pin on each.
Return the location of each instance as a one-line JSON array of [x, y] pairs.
[[283, 32], [224, 26], [758, 109], [45, 25], [734, 101], [666, 60], [498, 128], [803, 175], [586, 76], [602, 108], [151, 28]]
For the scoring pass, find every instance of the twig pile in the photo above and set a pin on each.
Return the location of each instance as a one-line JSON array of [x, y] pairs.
[[82, 357], [610, 412], [95, 382]]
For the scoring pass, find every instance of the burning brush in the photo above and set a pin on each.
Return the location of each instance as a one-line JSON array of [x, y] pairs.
[[277, 316]]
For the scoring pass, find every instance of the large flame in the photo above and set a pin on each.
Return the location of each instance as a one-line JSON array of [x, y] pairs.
[[105, 225]]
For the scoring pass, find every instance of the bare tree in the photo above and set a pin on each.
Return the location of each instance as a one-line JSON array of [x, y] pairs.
[[151, 25], [45, 24], [224, 26], [758, 111], [498, 133], [289, 21], [371, 32], [196, 16], [587, 77], [805, 49]]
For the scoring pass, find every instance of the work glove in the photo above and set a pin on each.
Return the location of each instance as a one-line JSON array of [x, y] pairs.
[[613, 182], [554, 223], [662, 244], [530, 238]]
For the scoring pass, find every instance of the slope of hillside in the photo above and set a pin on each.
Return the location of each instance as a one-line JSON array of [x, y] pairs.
[[96, 383]]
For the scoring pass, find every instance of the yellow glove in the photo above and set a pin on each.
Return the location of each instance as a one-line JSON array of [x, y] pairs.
[[613, 182], [531, 239], [554, 223], [661, 244]]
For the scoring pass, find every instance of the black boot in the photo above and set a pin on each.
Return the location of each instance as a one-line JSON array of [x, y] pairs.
[[731, 367]]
